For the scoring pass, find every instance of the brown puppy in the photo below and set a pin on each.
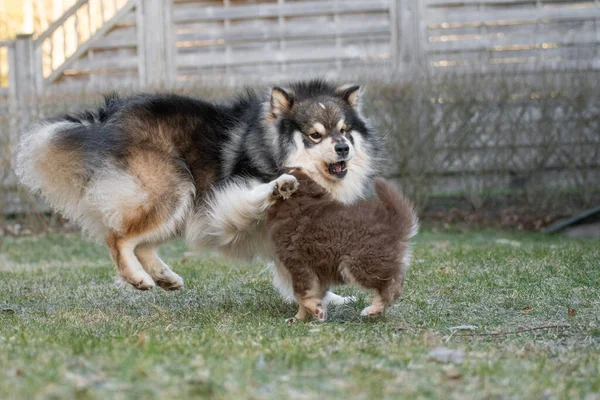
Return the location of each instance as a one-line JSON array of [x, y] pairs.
[[321, 241]]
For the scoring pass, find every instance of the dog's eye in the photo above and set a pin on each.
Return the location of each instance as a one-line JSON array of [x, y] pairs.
[[316, 136], [345, 130]]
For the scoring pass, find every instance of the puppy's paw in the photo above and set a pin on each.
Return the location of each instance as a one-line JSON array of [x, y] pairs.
[[371, 312], [285, 186], [320, 313]]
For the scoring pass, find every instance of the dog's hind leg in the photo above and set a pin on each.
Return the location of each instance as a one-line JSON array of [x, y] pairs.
[[385, 297], [156, 268], [283, 284], [128, 266], [146, 202]]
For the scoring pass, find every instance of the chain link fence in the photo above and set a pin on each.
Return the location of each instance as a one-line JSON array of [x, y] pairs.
[[460, 145]]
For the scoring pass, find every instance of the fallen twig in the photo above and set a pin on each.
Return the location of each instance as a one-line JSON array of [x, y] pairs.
[[521, 330]]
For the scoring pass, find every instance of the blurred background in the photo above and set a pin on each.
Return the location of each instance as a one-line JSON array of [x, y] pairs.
[[491, 106]]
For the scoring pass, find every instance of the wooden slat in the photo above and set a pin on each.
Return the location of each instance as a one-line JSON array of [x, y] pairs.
[[456, 3], [522, 29], [284, 55], [111, 60], [306, 8], [504, 15], [293, 31], [510, 41], [117, 39], [533, 65]]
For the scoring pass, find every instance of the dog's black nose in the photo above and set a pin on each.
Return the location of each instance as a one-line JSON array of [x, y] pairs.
[[342, 149]]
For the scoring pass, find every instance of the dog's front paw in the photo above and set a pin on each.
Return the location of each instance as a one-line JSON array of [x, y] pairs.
[[285, 186]]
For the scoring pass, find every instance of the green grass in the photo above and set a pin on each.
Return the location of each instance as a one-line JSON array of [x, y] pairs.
[[66, 331]]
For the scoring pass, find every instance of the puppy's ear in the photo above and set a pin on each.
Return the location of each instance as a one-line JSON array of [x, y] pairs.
[[351, 94], [281, 101]]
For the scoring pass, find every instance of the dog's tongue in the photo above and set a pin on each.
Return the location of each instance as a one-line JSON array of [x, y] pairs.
[[337, 167]]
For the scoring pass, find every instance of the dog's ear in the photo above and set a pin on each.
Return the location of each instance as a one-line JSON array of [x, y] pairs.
[[351, 94], [281, 101]]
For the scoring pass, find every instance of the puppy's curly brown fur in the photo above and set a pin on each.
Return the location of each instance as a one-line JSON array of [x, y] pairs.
[[321, 241]]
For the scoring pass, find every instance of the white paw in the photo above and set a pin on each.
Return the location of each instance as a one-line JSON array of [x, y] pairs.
[[285, 186], [169, 280], [336, 300], [139, 280], [371, 312]]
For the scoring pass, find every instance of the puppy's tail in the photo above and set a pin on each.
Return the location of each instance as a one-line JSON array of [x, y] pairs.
[[401, 209]]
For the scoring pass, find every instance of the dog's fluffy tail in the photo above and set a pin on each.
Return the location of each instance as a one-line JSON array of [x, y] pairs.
[[399, 207], [57, 156]]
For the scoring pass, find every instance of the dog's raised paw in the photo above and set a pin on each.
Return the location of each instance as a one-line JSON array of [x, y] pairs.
[[285, 186]]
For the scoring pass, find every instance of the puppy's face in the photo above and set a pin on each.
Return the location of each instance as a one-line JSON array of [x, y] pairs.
[[320, 129]]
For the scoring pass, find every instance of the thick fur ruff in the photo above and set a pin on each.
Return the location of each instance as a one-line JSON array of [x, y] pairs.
[[319, 241], [140, 170]]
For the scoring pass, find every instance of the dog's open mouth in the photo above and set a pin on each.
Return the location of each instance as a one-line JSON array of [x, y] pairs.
[[338, 169]]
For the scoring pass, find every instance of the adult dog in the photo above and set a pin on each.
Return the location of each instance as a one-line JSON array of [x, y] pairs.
[[143, 169]]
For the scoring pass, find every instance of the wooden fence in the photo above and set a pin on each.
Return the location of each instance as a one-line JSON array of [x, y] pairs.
[[137, 44], [168, 43]]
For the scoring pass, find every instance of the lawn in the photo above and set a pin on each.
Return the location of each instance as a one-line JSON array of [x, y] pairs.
[[66, 331]]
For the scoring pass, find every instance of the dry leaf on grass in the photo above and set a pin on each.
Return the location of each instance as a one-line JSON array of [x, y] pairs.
[[451, 375], [446, 355], [463, 328]]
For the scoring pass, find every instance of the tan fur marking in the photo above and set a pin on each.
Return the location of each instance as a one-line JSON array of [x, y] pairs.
[[156, 268], [318, 127], [157, 178], [311, 304], [376, 308], [129, 268]]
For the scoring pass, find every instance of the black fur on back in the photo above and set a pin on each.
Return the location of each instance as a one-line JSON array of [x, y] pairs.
[[215, 142]]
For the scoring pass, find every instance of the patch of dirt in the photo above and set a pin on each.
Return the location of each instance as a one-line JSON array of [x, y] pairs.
[[504, 212]]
